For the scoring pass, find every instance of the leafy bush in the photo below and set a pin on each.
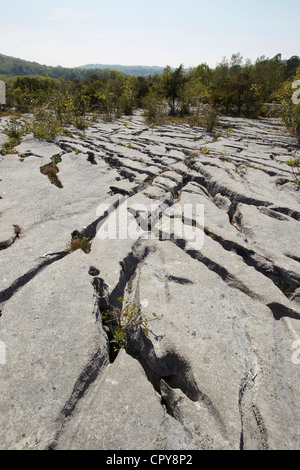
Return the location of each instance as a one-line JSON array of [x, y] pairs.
[[289, 108], [81, 124], [46, 126]]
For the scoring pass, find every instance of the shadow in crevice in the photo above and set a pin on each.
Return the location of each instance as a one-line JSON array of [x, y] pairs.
[[171, 367], [280, 311], [97, 363], [172, 378]]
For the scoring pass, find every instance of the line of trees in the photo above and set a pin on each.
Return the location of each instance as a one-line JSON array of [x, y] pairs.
[[234, 87], [201, 94]]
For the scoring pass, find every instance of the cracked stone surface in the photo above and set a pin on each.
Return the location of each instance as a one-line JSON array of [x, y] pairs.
[[199, 229]]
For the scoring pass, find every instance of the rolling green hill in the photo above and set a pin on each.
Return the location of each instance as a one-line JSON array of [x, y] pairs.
[[11, 67]]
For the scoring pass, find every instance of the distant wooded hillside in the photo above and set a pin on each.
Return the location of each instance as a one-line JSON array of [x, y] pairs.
[[139, 70], [11, 66]]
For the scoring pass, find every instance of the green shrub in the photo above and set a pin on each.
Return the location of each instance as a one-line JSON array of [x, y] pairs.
[[209, 118], [154, 110], [14, 130], [290, 115], [46, 126], [9, 147], [80, 123]]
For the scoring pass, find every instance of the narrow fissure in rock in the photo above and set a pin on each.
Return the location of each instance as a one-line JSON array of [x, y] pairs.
[[88, 375], [7, 293], [174, 378]]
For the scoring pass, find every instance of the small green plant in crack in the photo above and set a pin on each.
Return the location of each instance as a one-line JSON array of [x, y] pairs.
[[50, 171], [216, 135], [151, 178], [227, 132], [294, 163], [205, 150], [22, 157], [123, 319]]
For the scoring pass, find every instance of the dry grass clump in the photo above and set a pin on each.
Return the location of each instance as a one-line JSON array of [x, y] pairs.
[[17, 230], [82, 243]]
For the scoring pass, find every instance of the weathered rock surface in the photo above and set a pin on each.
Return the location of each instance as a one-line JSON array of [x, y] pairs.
[[209, 240]]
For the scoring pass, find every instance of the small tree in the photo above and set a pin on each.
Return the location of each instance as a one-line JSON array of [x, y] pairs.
[[288, 98], [290, 114], [173, 86]]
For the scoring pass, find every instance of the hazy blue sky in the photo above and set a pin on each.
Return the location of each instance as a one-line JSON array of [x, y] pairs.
[[153, 32]]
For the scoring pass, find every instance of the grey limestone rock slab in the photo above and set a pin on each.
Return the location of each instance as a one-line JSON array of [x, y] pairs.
[[220, 369], [54, 348], [122, 402]]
